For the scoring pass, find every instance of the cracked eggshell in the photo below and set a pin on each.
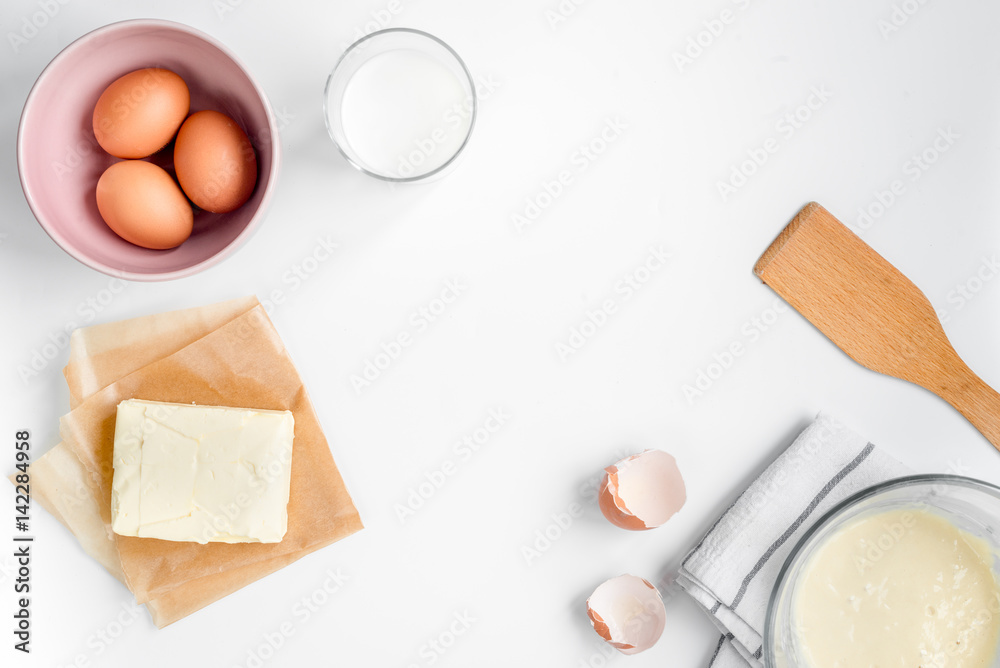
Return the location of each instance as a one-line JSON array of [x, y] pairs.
[[642, 491], [628, 613]]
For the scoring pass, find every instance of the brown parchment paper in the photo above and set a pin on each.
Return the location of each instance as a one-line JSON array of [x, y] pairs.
[[76, 496], [242, 364], [101, 354], [57, 480], [62, 486]]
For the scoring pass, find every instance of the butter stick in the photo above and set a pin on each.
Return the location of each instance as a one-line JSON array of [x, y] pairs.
[[204, 474]]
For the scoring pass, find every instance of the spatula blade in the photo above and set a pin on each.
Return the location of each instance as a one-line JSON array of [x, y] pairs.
[[872, 312], [854, 296]]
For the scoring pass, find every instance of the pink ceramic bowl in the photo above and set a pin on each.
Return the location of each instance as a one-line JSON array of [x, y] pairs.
[[59, 160]]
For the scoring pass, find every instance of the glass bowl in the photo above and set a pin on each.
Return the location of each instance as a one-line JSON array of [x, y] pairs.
[[971, 505]]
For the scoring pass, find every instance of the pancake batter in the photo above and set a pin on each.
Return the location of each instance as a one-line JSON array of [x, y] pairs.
[[902, 588]]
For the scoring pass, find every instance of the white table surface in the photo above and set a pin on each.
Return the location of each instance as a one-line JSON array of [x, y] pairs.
[[886, 95]]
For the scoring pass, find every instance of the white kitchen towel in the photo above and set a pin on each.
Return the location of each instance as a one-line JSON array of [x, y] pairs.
[[732, 570]]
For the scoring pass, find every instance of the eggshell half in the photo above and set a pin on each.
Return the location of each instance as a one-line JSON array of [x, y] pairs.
[[143, 205], [628, 613], [140, 112], [215, 162], [642, 491]]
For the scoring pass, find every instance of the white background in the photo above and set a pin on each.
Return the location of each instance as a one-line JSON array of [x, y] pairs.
[[557, 83]]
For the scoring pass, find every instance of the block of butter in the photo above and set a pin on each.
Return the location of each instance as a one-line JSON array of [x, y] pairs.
[[206, 474]]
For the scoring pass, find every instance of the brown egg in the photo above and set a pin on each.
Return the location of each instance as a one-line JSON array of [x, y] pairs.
[[143, 205], [139, 113], [215, 163]]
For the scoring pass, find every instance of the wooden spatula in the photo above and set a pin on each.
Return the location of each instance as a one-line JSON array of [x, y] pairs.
[[872, 312]]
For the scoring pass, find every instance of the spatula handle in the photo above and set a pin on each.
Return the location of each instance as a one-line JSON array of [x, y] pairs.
[[973, 398]]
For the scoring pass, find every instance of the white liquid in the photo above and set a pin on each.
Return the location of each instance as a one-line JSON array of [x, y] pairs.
[[405, 114]]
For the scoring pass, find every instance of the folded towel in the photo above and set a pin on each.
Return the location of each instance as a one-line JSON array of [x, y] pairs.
[[732, 570]]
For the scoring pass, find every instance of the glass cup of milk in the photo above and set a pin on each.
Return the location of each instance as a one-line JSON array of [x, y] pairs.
[[400, 105]]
